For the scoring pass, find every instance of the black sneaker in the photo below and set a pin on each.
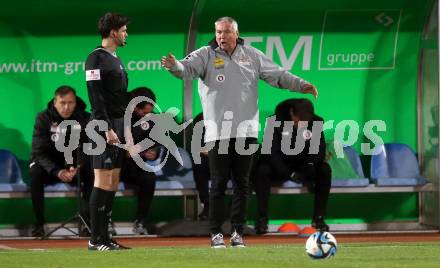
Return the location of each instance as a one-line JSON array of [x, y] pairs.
[[116, 245], [111, 227], [100, 246], [38, 231], [217, 241], [237, 240], [261, 226], [139, 228], [319, 224]]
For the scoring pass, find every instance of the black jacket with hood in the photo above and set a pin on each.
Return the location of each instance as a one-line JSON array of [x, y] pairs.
[[285, 164], [46, 132]]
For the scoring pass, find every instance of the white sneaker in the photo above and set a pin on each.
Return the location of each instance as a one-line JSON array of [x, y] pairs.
[[217, 241], [237, 240]]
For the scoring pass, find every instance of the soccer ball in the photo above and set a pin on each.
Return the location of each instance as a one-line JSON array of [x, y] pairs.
[[321, 245]]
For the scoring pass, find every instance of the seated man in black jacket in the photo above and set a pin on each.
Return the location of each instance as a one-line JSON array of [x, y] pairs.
[[131, 173], [307, 167], [48, 165]]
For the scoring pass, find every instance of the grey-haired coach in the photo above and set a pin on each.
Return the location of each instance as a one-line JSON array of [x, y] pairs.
[[229, 72]]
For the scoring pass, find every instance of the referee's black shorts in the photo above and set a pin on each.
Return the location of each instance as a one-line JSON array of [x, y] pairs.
[[112, 156]]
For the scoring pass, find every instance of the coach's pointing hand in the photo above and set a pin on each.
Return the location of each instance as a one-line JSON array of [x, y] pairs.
[[310, 89]]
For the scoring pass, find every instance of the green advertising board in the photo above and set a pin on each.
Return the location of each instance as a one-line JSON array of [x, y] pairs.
[[32, 68], [360, 91], [361, 57], [370, 43]]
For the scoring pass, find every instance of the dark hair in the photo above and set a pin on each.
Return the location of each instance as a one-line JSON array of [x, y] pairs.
[[303, 108], [111, 21], [142, 91], [64, 90], [282, 110]]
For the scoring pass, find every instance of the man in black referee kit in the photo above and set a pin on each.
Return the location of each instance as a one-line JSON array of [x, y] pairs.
[[107, 89]]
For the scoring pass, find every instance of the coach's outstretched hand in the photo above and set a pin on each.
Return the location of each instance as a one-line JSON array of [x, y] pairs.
[[310, 89], [168, 61]]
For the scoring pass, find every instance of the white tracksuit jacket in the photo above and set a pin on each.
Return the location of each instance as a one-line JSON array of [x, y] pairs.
[[230, 84]]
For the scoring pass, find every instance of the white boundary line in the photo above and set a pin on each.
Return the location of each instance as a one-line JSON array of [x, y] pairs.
[[396, 36], [3, 247]]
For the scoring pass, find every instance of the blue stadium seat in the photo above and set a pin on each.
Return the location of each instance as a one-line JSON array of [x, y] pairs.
[[60, 187], [121, 186], [173, 175], [360, 180], [395, 164], [287, 184], [11, 179], [355, 160]]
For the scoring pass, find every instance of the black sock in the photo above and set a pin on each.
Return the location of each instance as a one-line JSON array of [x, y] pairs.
[[108, 213], [98, 215]]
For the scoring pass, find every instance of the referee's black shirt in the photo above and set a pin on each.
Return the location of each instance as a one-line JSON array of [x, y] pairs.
[[107, 83]]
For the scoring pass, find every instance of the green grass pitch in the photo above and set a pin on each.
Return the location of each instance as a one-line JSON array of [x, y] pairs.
[[348, 255]]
